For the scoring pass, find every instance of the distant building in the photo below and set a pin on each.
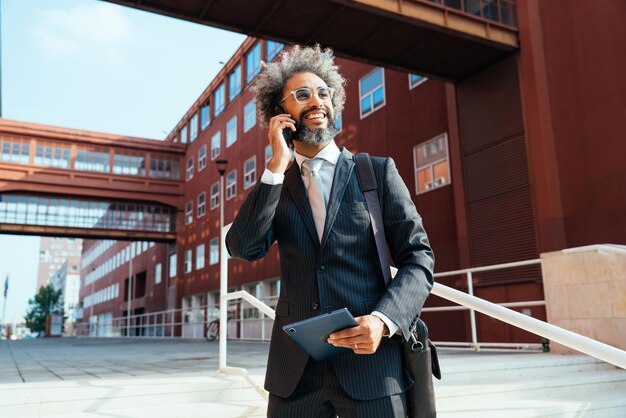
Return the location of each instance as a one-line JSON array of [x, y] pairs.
[[67, 279], [53, 252]]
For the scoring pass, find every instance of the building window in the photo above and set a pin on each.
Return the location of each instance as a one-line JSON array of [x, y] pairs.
[[269, 152], [16, 151], [193, 128], [164, 167], [189, 212], [188, 261], [214, 255], [215, 195], [216, 142], [128, 163], [231, 131], [200, 257], [231, 184], [249, 115], [201, 204], [372, 92], [158, 273], [205, 116], [415, 80], [249, 172], [253, 62], [273, 48], [338, 122], [432, 166], [234, 83], [45, 155], [93, 160], [202, 158], [189, 168], [183, 135], [173, 265], [219, 102]]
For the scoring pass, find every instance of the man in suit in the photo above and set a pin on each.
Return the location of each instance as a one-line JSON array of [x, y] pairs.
[[314, 209]]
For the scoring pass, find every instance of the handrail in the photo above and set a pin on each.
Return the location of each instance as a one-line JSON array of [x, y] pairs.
[[570, 339], [488, 268]]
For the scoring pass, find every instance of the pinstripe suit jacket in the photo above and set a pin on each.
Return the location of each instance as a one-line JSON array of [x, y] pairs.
[[341, 271]]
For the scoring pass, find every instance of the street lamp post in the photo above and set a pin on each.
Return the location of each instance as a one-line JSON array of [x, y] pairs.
[[130, 290], [91, 321], [221, 168]]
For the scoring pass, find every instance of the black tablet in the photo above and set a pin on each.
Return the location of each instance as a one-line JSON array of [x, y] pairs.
[[312, 333]]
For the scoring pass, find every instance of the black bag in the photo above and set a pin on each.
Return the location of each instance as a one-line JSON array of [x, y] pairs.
[[420, 354]]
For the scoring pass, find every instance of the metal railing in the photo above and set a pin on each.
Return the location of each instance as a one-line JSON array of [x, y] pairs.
[[469, 274]]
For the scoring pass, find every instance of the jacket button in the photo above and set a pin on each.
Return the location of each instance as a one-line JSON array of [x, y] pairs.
[[315, 306], [321, 268]]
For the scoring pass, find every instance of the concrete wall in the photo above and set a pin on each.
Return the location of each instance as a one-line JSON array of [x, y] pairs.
[[585, 290]]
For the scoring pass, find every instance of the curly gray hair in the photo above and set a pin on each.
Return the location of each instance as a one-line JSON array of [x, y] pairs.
[[268, 87]]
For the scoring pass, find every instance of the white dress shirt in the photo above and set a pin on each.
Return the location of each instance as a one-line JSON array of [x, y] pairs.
[[330, 154]]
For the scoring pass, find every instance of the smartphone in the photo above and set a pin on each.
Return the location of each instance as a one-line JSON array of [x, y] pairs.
[[288, 134]]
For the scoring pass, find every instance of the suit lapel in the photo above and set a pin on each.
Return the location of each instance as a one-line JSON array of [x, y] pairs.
[[293, 181], [343, 171]]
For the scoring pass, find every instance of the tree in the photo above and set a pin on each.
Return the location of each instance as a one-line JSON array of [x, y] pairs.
[[46, 301]]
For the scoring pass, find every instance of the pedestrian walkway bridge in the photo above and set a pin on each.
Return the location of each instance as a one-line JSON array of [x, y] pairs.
[[445, 39], [67, 182]]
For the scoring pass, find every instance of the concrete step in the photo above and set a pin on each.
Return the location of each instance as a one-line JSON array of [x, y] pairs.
[[610, 405], [531, 386], [456, 368]]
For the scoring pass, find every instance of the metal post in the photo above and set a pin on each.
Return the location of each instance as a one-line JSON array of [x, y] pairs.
[[130, 292], [470, 291], [221, 168], [223, 281]]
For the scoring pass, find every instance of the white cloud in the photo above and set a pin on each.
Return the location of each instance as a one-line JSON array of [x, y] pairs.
[[94, 31]]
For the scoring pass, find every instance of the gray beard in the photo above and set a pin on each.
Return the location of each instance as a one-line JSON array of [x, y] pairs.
[[319, 136]]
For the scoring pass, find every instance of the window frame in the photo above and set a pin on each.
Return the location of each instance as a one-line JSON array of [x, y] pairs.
[[219, 105], [189, 212], [420, 82], [214, 251], [232, 94], [215, 197], [233, 186], [247, 125], [193, 128], [190, 168], [374, 109], [217, 135], [202, 157], [201, 206], [253, 72], [200, 251], [188, 261], [249, 177], [417, 169], [231, 132]]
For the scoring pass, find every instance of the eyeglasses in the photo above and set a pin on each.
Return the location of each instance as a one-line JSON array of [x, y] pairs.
[[304, 94]]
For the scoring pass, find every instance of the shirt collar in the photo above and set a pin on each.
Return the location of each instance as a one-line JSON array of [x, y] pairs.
[[329, 153]]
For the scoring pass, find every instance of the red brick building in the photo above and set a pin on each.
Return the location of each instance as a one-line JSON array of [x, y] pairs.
[[523, 158]]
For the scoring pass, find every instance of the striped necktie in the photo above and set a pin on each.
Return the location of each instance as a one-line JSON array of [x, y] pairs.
[[315, 192]]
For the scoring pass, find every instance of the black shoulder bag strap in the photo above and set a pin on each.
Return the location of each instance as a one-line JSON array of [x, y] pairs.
[[369, 187]]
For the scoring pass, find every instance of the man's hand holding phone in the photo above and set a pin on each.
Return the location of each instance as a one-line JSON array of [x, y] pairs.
[[281, 149]]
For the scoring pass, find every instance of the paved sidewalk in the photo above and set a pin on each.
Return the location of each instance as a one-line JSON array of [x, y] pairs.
[[164, 378], [115, 377]]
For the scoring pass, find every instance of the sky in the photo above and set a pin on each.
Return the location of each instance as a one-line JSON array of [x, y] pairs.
[[96, 66]]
